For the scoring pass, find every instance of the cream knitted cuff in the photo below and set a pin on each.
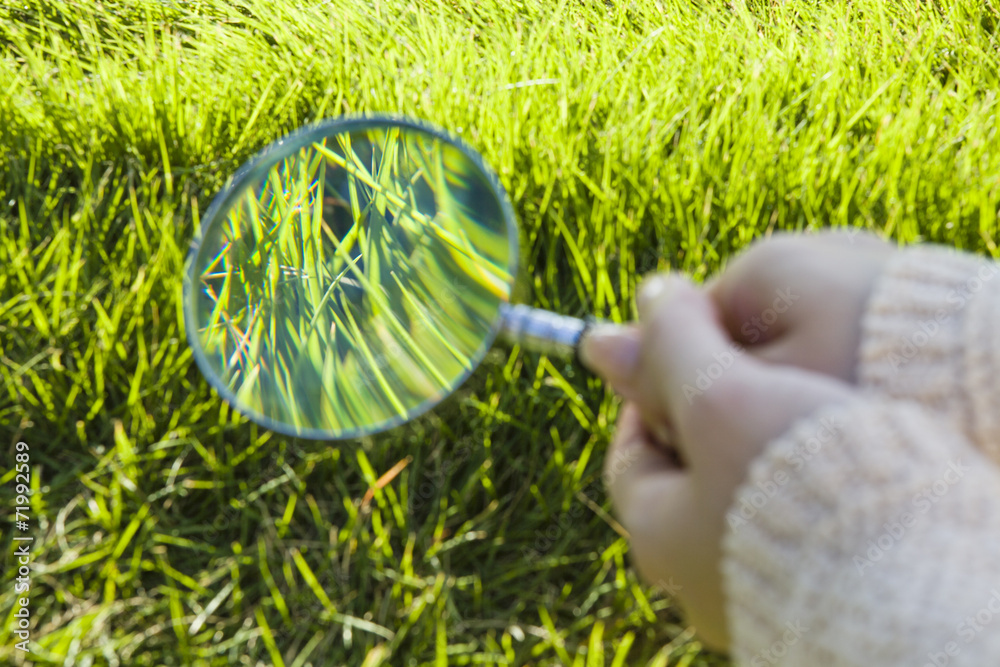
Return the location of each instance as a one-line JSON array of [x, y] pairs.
[[863, 536], [982, 359], [929, 334]]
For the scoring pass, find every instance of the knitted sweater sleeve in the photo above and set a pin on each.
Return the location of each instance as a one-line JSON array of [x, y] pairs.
[[868, 534], [931, 333]]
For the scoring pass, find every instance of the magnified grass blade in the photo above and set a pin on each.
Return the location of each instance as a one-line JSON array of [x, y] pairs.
[[353, 281]]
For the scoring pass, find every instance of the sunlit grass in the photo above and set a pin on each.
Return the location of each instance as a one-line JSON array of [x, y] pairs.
[[654, 134]]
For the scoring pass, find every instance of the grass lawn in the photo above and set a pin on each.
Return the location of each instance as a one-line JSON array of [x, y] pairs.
[[168, 530]]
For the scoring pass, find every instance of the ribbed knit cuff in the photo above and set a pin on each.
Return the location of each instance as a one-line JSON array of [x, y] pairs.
[[928, 335], [861, 537], [982, 359]]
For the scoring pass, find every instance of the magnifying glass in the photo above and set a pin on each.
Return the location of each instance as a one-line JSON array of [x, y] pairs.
[[355, 273]]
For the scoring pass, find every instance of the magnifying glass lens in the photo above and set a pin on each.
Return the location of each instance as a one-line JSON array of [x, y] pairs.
[[350, 280]]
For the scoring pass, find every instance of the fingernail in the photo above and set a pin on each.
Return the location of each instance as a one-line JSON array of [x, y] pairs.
[[610, 351], [651, 290]]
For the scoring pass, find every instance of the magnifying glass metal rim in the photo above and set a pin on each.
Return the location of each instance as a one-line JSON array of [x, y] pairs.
[[286, 147]]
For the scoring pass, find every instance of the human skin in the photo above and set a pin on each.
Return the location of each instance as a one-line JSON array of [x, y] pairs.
[[688, 451], [829, 277]]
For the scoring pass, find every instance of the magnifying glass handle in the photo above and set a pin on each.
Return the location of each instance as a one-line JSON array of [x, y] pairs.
[[543, 331]]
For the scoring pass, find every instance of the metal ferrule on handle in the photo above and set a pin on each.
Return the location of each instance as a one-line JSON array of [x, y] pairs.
[[541, 331]]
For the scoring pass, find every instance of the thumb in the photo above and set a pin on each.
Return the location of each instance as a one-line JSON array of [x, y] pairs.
[[612, 352], [685, 344]]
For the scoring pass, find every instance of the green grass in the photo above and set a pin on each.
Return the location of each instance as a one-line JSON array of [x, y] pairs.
[[660, 133]]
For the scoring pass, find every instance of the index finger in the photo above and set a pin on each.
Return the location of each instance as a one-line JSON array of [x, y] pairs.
[[633, 456]]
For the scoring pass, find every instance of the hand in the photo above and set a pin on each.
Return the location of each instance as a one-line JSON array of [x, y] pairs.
[[793, 299], [799, 299], [676, 515]]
